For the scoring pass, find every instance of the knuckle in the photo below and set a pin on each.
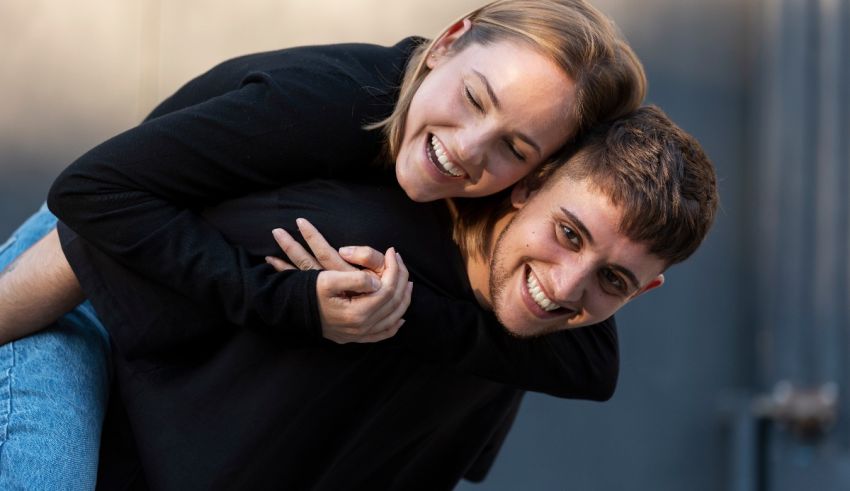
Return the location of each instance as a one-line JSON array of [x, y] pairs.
[[356, 320], [363, 279], [387, 292], [398, 298]]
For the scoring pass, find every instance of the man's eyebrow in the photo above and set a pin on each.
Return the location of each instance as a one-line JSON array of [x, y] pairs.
[[528, 141]]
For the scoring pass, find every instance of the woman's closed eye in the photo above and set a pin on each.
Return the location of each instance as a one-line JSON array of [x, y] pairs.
[[467, 93], [515, 151]]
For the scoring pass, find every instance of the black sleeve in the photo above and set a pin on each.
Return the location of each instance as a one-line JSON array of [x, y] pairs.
[[580, 363], [149, 320], [135, 196]]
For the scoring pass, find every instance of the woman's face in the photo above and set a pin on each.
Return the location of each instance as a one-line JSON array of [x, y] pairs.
[[482, 119]]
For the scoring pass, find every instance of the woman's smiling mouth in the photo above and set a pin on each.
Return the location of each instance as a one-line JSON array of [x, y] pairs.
[[437, 156]]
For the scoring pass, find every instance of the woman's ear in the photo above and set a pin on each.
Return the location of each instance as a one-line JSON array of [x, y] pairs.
[[444, 43]]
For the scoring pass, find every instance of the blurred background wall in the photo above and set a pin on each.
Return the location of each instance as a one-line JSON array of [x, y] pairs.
[[702, 402]]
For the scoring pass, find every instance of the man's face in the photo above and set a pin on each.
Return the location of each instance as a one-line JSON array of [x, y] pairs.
[[561, 261]]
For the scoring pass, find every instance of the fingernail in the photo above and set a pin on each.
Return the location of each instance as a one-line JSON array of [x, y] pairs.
[[300, 221], [399, 258], [278, 232], [375, 283], [346, 251]]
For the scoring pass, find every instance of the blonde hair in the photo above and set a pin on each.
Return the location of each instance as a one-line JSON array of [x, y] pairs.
[[609, 79]]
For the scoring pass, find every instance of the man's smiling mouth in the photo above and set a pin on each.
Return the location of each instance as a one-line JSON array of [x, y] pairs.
[[537, 293]]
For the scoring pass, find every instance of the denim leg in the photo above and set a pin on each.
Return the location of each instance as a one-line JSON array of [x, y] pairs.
[[54, 386]]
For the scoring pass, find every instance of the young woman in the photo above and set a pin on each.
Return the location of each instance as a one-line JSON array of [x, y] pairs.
[[466, 115]]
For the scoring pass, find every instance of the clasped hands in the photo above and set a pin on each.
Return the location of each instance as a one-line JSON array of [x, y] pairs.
[[355, 305]]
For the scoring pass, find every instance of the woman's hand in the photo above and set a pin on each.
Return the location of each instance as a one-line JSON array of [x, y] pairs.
[[360, 306]]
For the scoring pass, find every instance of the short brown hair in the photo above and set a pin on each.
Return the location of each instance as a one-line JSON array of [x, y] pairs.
[[650, 168], [609, 78]]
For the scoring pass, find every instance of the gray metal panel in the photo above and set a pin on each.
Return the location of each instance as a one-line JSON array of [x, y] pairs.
[[688, 344]]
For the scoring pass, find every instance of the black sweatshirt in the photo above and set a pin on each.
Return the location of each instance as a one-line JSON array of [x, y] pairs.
[[261, 121], [213, 407]]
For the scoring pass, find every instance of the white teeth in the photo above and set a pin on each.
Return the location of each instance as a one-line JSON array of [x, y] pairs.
[[537, 294], [445, 163]]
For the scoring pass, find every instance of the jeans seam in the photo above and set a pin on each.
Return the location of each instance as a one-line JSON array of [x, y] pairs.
[[7, 388], [7, 245]]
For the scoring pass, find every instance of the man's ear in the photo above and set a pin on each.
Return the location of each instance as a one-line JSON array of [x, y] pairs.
[[442, 46], [520, 194], [652, 285]]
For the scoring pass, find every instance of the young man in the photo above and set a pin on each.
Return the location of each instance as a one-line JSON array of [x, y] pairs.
[[211, 406]]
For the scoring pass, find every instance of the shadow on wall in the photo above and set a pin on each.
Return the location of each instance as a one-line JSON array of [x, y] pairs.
[[81, 72]]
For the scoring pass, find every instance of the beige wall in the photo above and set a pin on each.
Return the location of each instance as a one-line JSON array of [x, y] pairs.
[[75, 72]]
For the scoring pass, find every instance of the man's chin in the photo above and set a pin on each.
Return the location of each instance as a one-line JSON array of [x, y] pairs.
[[526, 332], [521, 332]]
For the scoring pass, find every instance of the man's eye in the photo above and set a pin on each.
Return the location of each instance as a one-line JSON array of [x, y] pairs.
[[570, 235], [468, 94], [614, 280]]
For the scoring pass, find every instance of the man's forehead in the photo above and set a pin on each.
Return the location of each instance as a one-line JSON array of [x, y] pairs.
[[579, 197]]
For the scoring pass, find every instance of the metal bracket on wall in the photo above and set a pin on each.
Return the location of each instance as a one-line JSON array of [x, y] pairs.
[[807, 412]]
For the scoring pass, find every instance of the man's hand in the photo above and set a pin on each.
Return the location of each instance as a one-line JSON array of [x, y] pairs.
[[361, 306]]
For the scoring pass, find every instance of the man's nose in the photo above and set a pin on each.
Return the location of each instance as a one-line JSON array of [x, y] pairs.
[[571, 283]]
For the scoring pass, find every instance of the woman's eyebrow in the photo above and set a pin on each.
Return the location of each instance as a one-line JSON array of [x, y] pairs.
[[489, 89], [495, 100]]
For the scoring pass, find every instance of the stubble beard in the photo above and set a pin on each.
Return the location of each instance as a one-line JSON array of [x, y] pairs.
[[499, 276]]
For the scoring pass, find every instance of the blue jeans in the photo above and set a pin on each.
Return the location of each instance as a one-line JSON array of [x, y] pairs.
[[54, 387]]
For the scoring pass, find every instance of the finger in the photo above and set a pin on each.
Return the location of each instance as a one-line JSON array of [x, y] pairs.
[[390, 275], [391, 301], [398, 308], [380, 304], [327, 256], [332, 284], [279, 264], [294, 251], [363, 256], [382, 335], [336, 338]]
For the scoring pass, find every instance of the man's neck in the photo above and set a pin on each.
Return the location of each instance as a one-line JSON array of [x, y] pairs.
[[478, 267]]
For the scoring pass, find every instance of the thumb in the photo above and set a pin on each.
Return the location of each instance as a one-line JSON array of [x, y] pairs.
[[363, 256], [344, 283]]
